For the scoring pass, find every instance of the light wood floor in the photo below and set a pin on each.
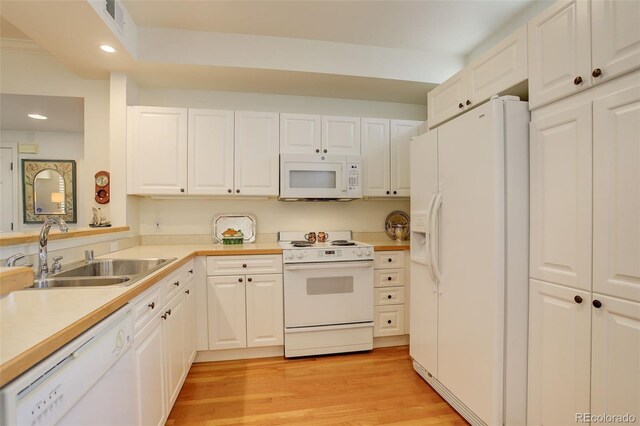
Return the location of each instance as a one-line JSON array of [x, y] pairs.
[[378, 387]]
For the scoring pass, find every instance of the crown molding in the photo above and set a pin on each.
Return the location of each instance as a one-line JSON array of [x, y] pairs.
[[22, 46]]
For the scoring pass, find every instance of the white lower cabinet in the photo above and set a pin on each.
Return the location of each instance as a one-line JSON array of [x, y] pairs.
[[148, 349], [173, 327], [389, 300], [264, 304], [190, 322]]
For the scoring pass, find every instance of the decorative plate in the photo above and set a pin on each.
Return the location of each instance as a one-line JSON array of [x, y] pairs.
[[397, 218], [245, 222]]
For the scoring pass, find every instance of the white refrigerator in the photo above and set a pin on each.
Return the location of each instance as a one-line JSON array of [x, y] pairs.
[[469, 261]]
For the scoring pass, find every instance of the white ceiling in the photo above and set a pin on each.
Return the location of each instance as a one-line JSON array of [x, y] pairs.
[[449, 26], [65, 114]]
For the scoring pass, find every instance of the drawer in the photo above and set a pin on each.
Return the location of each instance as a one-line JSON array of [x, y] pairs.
[[388, 277], [389, 296], [389, 320], [389, 260], [240, 265], [178, 279], [146, 305]]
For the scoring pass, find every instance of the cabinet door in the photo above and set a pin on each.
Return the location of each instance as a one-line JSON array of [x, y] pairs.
[[264, 310], [227, 318], [448, 99], [299, 133], [615, 364], [190, 323], [149, 370], [210, 152], [502, 67], [559, 52], [256, 153], [560, 145], [615, 35], [341, 135], [559, 349], [401, 133], [616, 194], [174, 347], [375, 157], [157, 150]]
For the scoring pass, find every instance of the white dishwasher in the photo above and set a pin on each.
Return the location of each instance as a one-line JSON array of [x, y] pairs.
[[87, 382]]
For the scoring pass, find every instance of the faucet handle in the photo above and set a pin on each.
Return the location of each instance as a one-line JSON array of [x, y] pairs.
[[57, 266], [11, 261]]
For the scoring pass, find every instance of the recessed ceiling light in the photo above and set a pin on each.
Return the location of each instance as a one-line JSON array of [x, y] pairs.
[[107, 48], [37, 116]]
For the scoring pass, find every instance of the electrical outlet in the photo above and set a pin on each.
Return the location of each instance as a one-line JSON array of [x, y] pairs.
[[157, 223]]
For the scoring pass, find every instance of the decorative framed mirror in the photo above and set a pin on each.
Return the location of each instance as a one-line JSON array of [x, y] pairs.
[[48, 189]]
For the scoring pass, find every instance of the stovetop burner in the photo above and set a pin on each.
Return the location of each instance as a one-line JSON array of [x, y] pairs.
[[342, 243], [301, 244]]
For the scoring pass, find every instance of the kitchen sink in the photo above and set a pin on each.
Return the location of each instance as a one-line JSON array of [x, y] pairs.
[[103, 273], [80, 282], [114, 267]]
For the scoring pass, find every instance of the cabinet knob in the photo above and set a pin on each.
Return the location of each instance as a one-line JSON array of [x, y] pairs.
[[388, 278], [229, 191], [388, 192], [249, 279], [325, 151], [181, 189], [239, 280], [237, 191], [468, 102], [597, 72], [191, 271], [395, 192], [187, 291], [317, 150], [163, 316], [597, 304], [388, 321], [244, 265], [389, 297], [390, 260], [578, 299], [577, 81], [177, 283], [152, 305], [460, 105]]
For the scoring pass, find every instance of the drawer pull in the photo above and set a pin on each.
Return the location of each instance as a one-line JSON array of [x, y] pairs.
[[187, 292], [389, 278], [152, 305], [244, 265], [389, 297], [388, 321], [168, 312], [191, 271], [390, 260], [177, 283], [164, 316]]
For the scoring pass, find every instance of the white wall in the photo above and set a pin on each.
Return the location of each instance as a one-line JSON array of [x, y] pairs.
[[192, 216], [42, 74], [51, 146]]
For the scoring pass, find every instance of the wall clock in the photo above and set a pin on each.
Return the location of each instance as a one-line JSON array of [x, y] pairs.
[[103, 182]]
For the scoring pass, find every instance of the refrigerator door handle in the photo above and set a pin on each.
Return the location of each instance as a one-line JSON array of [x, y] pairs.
[[429, 238], [432, 249]]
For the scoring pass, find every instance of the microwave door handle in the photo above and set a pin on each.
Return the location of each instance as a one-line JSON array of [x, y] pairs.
[[331, 265]]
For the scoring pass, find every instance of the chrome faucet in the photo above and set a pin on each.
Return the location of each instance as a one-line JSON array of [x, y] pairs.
[[43, 267]]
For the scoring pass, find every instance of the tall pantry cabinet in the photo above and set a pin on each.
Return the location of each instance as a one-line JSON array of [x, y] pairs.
[[584, 316]]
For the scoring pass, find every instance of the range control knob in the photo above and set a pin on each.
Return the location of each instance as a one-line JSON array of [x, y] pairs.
[[367, 252], [359, 252], [299, 254]]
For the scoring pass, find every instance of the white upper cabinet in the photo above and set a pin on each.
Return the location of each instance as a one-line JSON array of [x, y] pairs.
[[210, 152], [448, 99], [502, 67], [402, 131], [157, 150], [576, 44], [559, 52], [385, 152], [615, 38], [340, 135], [257, 151], [616, 193], [560, 176], [300, 133], [376, 157]]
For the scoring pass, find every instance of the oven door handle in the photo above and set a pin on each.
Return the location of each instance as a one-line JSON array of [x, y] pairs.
[[330, 265]]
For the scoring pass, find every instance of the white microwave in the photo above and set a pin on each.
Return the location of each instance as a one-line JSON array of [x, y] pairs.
[[320, 177]]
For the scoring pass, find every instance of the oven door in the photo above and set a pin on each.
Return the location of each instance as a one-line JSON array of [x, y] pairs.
[[331, 293], [310, 176]]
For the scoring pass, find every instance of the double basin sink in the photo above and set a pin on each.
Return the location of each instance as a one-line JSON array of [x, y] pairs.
[[103, 272]]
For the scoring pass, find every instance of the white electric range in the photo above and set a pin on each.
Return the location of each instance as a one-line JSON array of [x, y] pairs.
[[328, 294]]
